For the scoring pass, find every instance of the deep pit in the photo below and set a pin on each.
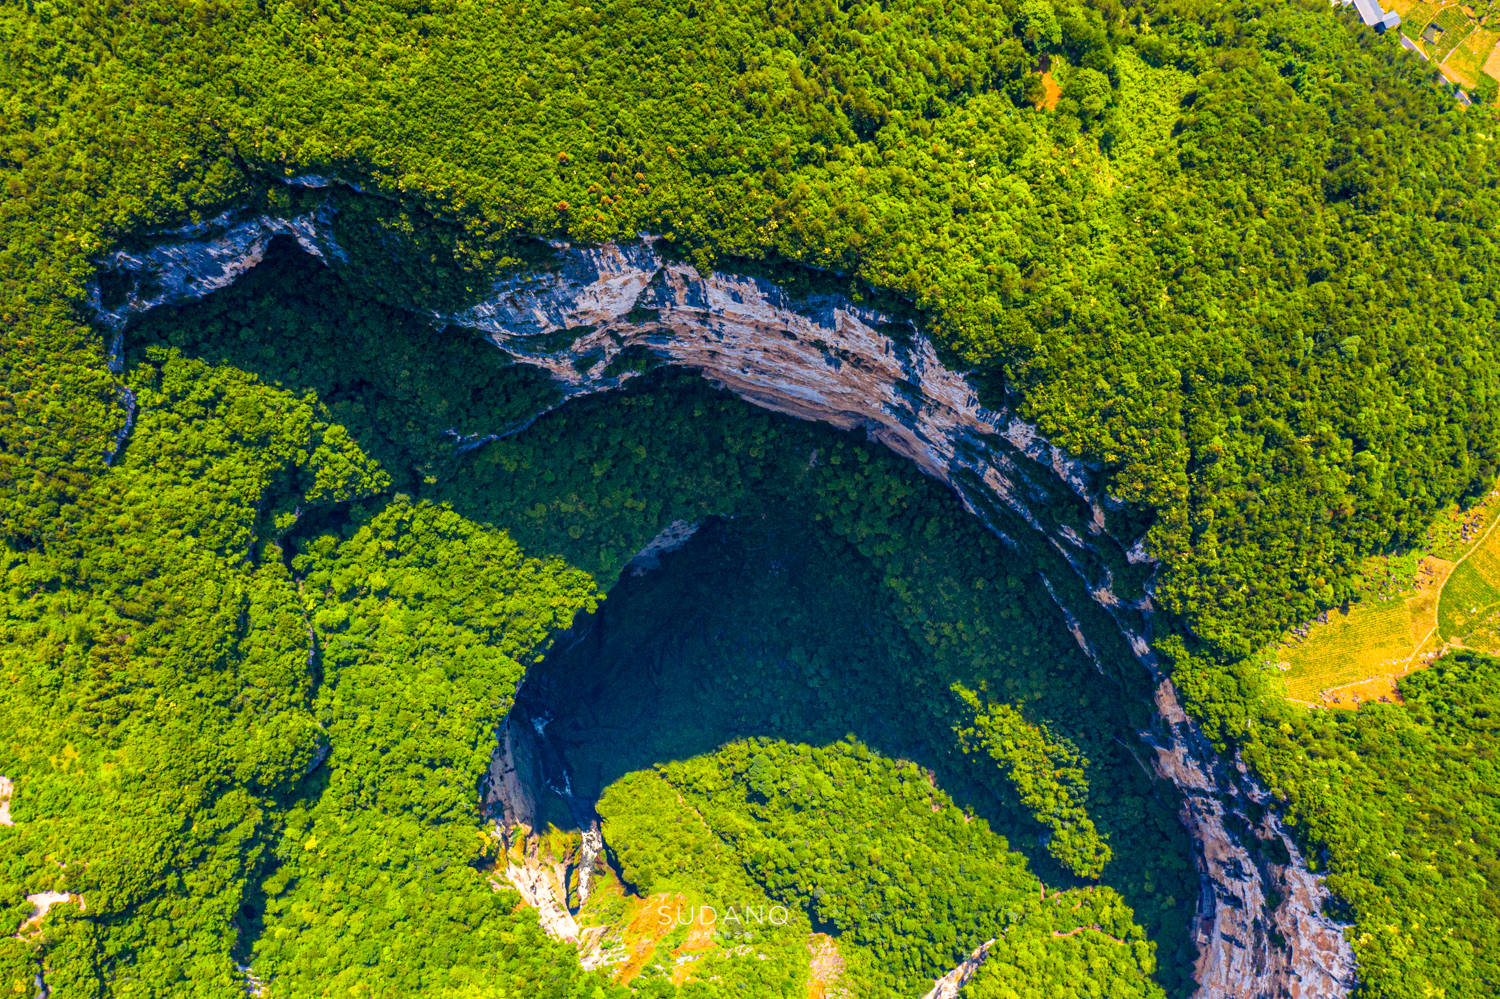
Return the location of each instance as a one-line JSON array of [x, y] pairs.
[[594, 480]]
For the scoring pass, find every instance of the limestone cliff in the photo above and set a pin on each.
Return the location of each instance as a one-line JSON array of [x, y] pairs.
[[1260, 930], [951, 985]]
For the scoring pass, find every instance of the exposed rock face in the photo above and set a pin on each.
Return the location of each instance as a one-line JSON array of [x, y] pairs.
[[42, 903], [672, 537], [510, 791], [951, 985], [250, 982], [555, 885], [544, 890], [820, 358], [826, 358], [188, 262], [6, 790], [1237, 931]]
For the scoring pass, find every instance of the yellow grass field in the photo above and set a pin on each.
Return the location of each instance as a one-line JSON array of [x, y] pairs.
[[1414, 13], [1451, 600], [1468, 60], [1372, 640], [1492, 62]]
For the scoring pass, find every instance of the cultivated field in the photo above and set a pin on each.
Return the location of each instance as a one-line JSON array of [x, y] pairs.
[[1466, 49], [1467, 61]]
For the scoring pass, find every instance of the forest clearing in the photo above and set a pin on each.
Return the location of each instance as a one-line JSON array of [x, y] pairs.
[[1442, 597]]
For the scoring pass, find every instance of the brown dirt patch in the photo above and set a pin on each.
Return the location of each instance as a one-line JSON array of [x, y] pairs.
[[700, 940], [653, 919], [1376, 688], [1051, 93], [41, 904], [826, 970]]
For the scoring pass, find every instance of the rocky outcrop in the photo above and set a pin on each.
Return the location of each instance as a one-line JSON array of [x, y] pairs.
[[250, 983], [1250, 945], [553, 874], [672, 537], [818, 357], [524, 767], [185, 263], [586, 320], [541, 881], [42, 903], [6, 790], [951, 985]]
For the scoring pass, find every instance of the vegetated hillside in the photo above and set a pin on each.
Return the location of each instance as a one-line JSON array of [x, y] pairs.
[[1245, 262], [877, 854], [173, 686]]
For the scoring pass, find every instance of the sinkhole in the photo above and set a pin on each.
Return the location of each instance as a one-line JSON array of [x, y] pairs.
[[816, 681]]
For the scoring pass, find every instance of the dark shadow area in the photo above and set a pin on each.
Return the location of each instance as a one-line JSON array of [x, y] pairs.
[[768, 625], [743, 632]]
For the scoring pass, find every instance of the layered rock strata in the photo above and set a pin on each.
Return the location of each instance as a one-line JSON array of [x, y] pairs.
[[587, 319]]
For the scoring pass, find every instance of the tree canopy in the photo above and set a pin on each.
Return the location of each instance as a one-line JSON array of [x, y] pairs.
[[259, 620]]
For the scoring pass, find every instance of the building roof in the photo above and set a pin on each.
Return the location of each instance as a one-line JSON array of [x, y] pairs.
[[1369, 12]]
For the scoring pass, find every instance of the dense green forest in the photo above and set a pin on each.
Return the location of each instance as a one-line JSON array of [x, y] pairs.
[[1244, 263], [1048, 775], [878, 855], [1240, 335], [167, 710]]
